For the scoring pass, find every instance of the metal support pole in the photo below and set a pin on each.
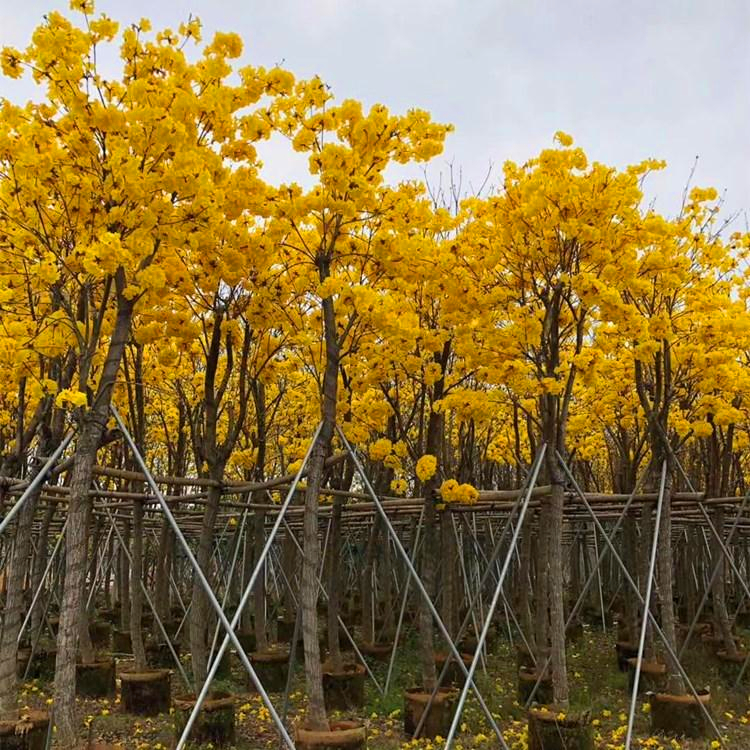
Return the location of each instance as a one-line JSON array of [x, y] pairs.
[[428, 601], [404, 600], [37, 481], [230, 575], [508, 610], [229, 626], [38, 592], [493, 603], [478, 598], [341, 623], [488, 570], [710, 581], [45, 621], [295, 637], [599, 581], [99, 573], [172, 583], [609, 539], [646, 606], [640, 598]]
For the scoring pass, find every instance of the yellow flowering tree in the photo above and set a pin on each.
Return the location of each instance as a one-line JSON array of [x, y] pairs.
[[104, 182], [333, 239], [548, 250]]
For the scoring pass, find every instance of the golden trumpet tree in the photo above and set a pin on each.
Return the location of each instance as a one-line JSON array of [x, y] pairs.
[[331, 239], [549, 250], [103, 181], [681, 286]]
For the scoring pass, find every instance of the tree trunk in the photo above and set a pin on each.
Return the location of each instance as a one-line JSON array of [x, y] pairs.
[[109, 552], [368, 613], [14, 604], [429, 571], [666, 592], [201, 610], [85, 646], [71, 609], [72, 603], [389, 610], [136, 593], [96, 558], [40, 563], [163, 568], [289, 563], [125, 579], [542, 584], [556, 594], [632, 606], [246, 616], [524, 581], [645, 544], [334, 562], [316, 712], [718, 563], [259, 592], [449, 573], [430, 552]]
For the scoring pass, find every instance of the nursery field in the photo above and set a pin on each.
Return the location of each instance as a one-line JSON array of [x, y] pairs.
[[353, 462]]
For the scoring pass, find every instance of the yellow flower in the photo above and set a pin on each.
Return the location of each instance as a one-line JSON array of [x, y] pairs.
[[82, 6], [563, 139], [10, 62], [398, 486], [68, 396], [426, 467], [380, 449]]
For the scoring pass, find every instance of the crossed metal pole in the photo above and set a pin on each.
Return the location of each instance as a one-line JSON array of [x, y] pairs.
[[490, 565], [206, 586], [404, 601], [508, 610], [649, 587], [40, 588], [640, 598], [493, 603], [230, 575], [417, 580], [469, 683], [36, 482], [589, 581], [467, 595], [724, 550], [99, 573], [712, 578], [341, 622]]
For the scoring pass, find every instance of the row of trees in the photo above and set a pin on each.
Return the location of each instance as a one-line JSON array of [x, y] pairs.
[[145, 261]]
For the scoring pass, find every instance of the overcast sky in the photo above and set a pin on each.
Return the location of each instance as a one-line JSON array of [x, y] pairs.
[[629, 79]]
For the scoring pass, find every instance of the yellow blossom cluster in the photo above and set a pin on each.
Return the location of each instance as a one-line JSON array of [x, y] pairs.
[[453, 492]]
